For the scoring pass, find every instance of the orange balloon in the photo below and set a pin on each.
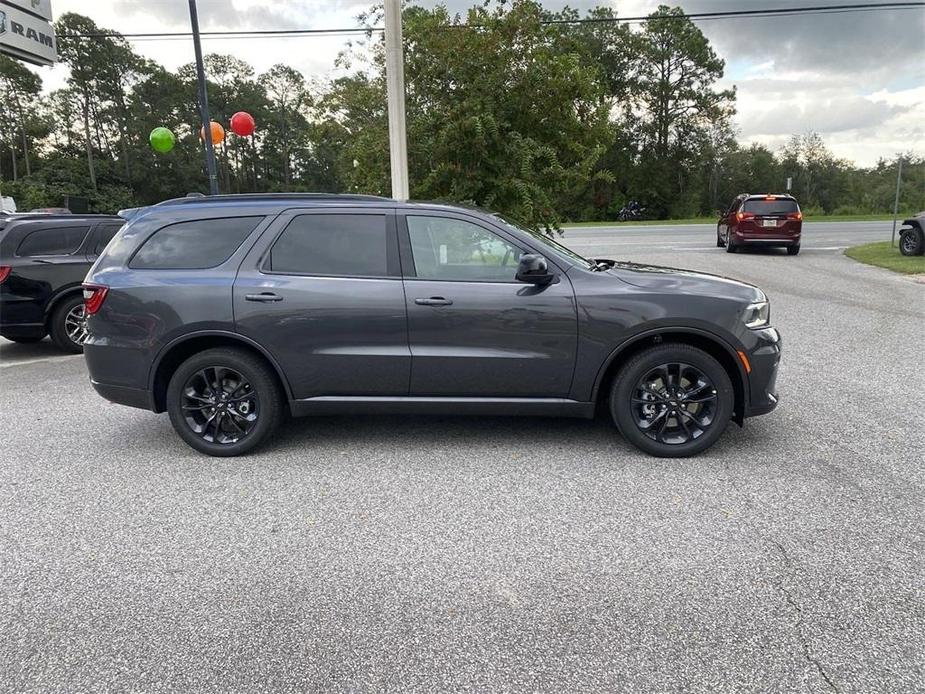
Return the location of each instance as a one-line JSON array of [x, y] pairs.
[[218, 133]]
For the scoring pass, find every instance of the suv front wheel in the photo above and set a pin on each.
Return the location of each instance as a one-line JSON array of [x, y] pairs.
[[224, 401], [672, 400]]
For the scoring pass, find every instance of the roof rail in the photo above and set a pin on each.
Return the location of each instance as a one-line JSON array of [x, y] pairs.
[[192, 199]]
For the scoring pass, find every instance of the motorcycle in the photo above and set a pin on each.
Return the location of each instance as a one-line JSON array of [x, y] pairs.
[[630, 214]]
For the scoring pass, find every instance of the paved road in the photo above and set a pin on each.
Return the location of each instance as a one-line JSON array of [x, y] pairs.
[[387, 554]]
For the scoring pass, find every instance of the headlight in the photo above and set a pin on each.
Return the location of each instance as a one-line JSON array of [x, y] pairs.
[[757, 315]]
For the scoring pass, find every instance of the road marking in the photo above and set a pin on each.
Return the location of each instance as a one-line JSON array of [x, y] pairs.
[[26, 362]]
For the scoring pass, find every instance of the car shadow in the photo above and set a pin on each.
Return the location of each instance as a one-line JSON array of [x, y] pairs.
[[762, 250], [16, 351]]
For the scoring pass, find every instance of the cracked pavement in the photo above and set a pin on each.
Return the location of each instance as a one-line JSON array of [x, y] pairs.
[[490, 554]]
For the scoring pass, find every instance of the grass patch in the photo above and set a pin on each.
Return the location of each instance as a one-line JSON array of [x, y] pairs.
[[713, 220], [881, 255]]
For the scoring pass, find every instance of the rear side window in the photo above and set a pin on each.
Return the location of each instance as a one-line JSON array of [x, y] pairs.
[[198, 244], [343, 245], [105, 234], [762, 206], [52, 241]]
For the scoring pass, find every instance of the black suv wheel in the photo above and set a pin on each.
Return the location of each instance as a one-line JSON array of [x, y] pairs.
[[672, 401], [224, 401], [68, 326], [911, 241]]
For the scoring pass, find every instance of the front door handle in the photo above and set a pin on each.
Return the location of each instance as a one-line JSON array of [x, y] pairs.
[[263, 297], [434, 301]]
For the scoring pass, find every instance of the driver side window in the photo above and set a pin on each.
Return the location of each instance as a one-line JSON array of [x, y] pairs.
[[452, 249]]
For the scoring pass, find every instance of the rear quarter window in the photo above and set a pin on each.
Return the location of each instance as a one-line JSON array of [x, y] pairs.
[[105, 234], [195, 244], [771, 207], [52, 241]]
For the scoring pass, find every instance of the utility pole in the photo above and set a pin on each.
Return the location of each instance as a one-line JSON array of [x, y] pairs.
[[203, 101], [899, 178], [395, 87]]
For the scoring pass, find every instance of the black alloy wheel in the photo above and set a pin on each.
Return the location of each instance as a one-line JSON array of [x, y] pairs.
[[911, 242], [220, 405], [224, 401], [674, 403], [672, 400]]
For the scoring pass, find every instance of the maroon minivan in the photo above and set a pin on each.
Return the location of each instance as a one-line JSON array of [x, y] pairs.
[[761, 220]]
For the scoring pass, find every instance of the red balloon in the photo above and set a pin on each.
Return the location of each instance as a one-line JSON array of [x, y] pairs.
[[242, 123]]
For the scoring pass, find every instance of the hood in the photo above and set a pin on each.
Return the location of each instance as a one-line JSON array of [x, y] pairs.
[[683, 281]]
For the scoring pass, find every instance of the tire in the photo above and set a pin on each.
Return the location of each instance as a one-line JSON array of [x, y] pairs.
[[730, 246], [793, 250], [31, 340], [629, 413], [62, 326], [261, 395], [719, 240], [911, 242]]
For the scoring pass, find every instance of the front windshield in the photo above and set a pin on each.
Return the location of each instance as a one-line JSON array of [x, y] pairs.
[[548, 241]]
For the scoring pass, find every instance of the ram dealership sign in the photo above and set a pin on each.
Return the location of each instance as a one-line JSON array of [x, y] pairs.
[[25, 31]]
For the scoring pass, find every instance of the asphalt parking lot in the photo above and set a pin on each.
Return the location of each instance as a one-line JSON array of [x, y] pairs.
[[489, 554]]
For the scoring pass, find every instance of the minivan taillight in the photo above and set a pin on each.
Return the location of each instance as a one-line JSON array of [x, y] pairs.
[[744, 215], [795, 215], [4, 272], [94, 295]]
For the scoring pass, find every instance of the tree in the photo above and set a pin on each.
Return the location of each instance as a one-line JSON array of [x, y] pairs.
[[20, 88], [674, 104]]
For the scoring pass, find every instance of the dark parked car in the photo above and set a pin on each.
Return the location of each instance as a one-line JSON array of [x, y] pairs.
[[761, 220], [43, 259], [229, 311]]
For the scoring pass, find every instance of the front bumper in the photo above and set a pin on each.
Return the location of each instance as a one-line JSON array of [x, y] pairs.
[[764, 360]]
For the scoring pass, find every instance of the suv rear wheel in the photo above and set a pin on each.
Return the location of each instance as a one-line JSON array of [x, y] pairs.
[[793, 250], [672, 400], [224, 401], [68, 326]]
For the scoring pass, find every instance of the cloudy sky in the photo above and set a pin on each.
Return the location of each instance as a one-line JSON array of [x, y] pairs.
[[858, 78]]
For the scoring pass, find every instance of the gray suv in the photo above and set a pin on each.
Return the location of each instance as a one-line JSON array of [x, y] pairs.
[[228, 312]]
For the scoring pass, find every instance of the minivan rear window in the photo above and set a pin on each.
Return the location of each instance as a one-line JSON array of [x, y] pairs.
[[762, 206], [197, 244], [52, 241]]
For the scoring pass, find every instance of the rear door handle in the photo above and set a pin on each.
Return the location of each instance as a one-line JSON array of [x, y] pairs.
[[264, 297], [434, 301]]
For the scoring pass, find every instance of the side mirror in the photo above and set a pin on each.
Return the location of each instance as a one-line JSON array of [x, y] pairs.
[[534, 269]]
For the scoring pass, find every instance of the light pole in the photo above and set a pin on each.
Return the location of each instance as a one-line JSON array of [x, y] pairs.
[[203, 101], [395, 88], [899, 178]]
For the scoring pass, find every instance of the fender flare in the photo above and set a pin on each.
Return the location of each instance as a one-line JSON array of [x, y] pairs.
[[186, 337], [661, 330]]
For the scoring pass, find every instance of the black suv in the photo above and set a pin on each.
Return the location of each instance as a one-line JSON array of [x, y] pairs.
[[43, 260], [229, 311]]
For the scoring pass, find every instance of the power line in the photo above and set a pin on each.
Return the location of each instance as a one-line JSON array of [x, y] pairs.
[[359, 31]]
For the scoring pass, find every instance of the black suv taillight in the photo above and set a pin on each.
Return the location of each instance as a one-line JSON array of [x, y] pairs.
[[94, 295], [4, 272]]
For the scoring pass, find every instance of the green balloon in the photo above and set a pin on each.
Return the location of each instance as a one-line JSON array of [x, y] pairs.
[[162, 140]]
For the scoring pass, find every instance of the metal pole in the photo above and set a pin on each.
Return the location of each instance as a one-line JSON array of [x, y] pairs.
[[203, 101], [395, 87], [899, 178]]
